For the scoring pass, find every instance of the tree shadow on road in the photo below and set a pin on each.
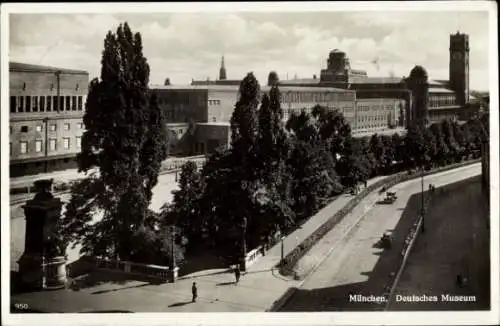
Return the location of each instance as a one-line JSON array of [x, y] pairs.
[[199, 261], [179, 304], [119, 289], [225, 283]]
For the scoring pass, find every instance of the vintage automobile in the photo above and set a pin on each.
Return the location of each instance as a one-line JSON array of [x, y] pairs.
[[390, 198]]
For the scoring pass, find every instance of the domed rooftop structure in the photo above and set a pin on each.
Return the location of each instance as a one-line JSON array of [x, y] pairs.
[[336, 51], [418, 72]]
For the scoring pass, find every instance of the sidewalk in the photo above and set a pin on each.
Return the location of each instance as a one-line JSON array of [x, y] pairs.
[[259, 287]]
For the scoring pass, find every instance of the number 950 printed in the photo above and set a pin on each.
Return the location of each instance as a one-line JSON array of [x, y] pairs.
[[21, 306]]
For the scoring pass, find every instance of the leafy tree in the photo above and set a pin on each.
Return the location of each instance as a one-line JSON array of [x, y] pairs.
[[431, 150], [398, 145], [467, 139], [273, 147], [273, 144], [167, 82], [314, 178], [389, 154], [378, 150], [272, 78], [244, 126], [460, 140], [302, 127], [185, 207], [354, 165], [332, 129], [231, 176], [449, 139], [415, 146], [125, 140]]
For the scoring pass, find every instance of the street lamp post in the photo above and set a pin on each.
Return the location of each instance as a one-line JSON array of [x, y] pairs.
[[282, 251], [422, 205], [173, 271], [243, 243], [173, 247]]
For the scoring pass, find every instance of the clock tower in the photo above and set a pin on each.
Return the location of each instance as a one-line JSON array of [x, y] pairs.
[[459, 66]]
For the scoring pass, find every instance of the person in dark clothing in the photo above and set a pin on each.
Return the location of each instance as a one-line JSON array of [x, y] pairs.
[[237, 274], [194, 289]]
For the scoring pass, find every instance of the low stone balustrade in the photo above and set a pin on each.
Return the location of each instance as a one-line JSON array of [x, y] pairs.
[[148, 270]]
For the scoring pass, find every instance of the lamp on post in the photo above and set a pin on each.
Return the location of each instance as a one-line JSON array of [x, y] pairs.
[[282, 251], [173, 271], [173, 246], [243, 243], [422, 204]]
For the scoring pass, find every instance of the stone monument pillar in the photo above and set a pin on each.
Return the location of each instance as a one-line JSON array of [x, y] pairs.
[[43, 263]]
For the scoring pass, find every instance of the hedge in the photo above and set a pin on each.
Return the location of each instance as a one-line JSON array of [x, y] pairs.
[[296, 254]]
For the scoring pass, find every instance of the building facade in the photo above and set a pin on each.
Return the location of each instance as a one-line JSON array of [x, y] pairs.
[[426, 100], [46, 110], [198, 116]]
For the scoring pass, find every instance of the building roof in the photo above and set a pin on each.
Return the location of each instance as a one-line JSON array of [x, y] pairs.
[[283, 88], [286, 88], [439, 82], [214, 124], [195, 87], [440, 90], [377, 80], [24, 67], [217, 82], [300, 81]]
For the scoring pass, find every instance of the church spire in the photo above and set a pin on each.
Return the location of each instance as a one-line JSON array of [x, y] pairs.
[[222, 71]]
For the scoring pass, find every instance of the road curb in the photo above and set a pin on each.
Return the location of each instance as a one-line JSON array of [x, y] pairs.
[[278, 304]]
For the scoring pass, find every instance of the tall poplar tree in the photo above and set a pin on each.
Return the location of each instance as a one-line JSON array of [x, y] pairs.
[[125, 141]]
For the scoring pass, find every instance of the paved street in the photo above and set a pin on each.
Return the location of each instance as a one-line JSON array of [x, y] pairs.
[[434, 263], [352, 263]]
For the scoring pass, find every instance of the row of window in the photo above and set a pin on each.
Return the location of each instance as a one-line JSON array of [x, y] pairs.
[[213, 102], [315, 97], [52, 86], [372, 125], [441, 100], [20, 104], [364, 108], [24, 148], [362, 118], [52, 127]]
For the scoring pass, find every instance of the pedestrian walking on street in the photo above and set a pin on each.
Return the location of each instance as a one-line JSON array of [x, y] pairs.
[[237, 273], [194, 289]]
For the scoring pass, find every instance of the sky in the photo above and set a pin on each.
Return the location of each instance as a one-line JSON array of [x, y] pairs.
[[186, 46]]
